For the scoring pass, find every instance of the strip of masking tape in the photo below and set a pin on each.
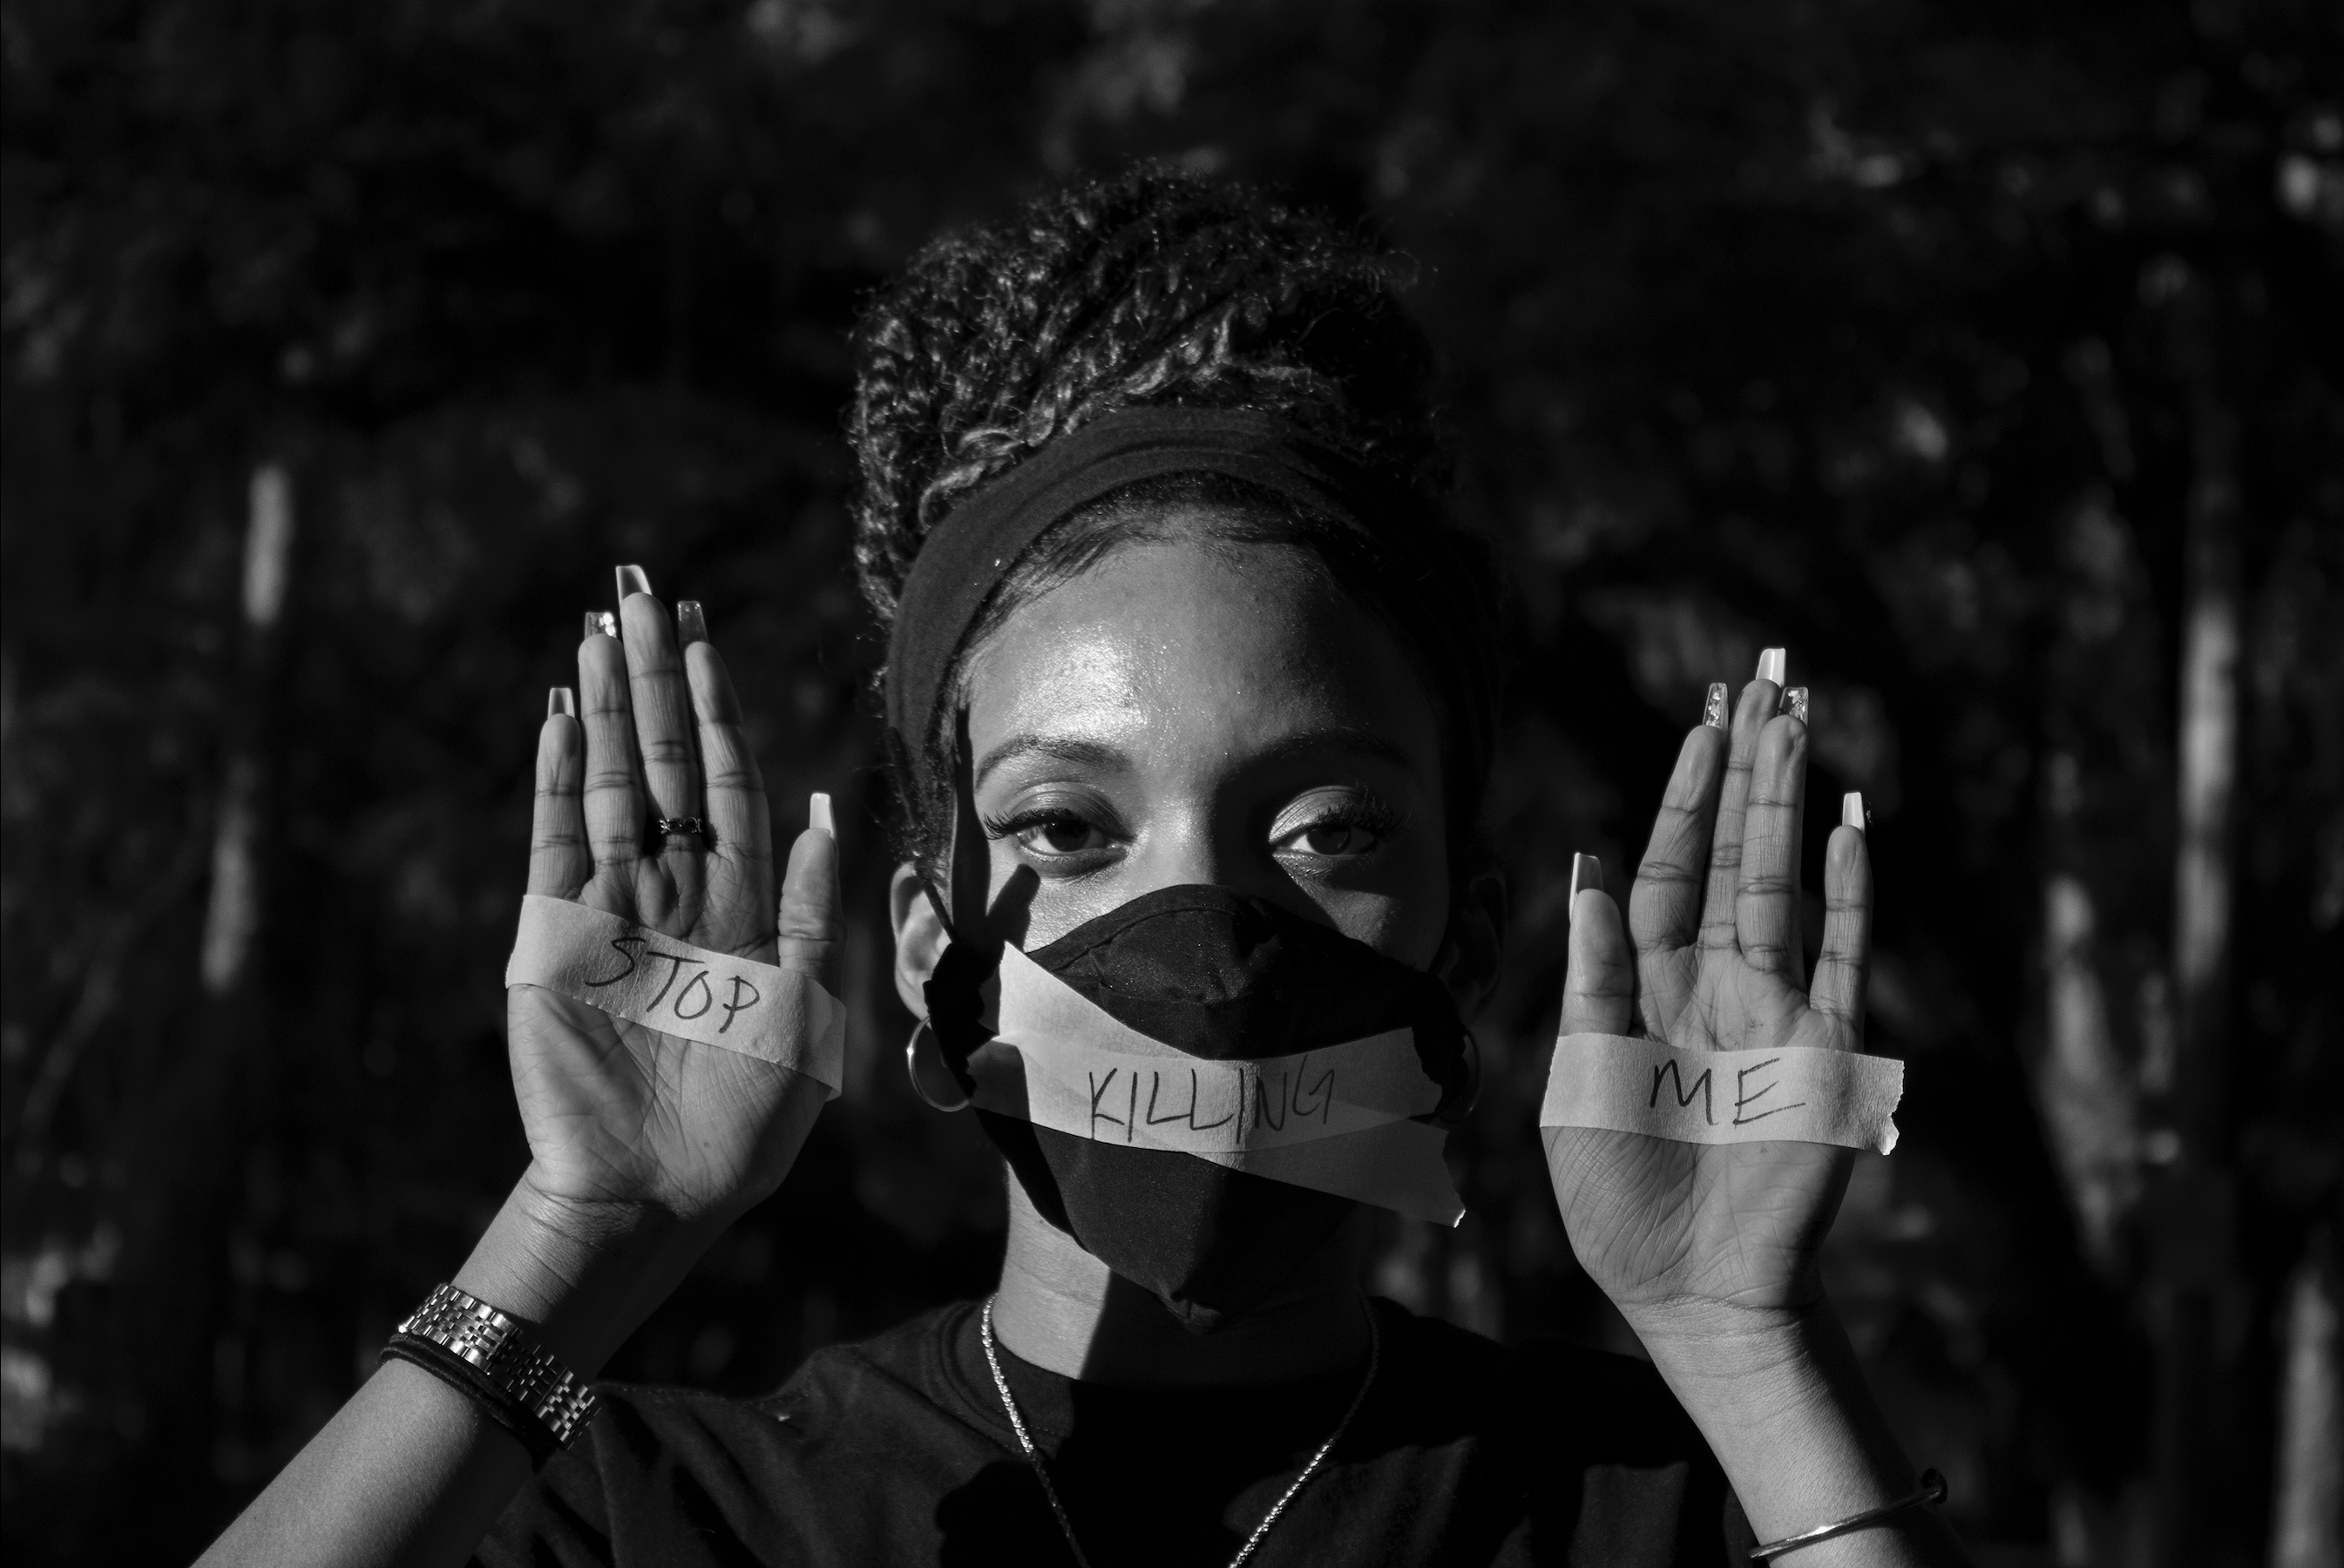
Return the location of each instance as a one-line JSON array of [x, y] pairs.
[[1397, 1166], [631, 972], [1194, 1106], [1336, 1120], [1381, 1074], [1800, 1094]]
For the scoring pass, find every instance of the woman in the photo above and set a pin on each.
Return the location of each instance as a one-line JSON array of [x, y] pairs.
[[1190, 699]]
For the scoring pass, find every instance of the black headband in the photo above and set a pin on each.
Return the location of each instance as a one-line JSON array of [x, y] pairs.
[[966, 555]]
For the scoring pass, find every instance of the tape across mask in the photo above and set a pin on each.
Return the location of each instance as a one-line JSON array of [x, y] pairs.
[[633, 972], [1336, 1120], [1801, 1094]]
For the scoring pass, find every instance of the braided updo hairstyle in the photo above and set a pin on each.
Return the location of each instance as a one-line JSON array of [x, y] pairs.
[[1147, 287]]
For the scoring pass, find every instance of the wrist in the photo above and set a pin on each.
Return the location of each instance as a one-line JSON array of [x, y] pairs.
[[1762, 1353], [583, 1274], [1783, 1400]]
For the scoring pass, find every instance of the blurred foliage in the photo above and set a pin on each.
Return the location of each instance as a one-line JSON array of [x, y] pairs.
[[1883, 330]]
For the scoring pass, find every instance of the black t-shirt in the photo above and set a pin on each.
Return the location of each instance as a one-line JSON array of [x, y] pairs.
[[897, 1451]]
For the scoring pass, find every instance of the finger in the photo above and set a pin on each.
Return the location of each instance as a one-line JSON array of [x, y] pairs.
[[663, 704], [1846, 961], [558, 861], [1760, 699], [735, 790], [613, 789], [810, 921], [1599, 987], [1664, 908], [1766, 902]]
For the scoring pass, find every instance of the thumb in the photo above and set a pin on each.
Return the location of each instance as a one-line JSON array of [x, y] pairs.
[[1599, 987], [809, 923]]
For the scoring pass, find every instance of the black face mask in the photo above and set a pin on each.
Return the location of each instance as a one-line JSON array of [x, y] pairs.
[[1219, 975]]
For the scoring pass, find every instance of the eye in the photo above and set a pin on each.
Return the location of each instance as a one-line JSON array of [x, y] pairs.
[[1063, 836], [1336, 839], [1052, 833], [1332, 825]]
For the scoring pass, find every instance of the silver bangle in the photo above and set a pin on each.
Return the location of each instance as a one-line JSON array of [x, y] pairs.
[[1931, 1492]]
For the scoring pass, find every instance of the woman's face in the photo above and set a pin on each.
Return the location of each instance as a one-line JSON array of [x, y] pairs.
[[1187, 712]]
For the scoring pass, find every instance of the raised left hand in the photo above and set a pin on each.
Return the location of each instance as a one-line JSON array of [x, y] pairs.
[[1716, 965]]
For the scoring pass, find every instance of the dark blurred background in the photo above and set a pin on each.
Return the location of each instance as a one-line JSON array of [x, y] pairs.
[[1986, 356]]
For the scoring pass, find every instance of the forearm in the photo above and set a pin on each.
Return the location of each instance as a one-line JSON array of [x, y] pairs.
[[410, 1472], [1785, 1406]]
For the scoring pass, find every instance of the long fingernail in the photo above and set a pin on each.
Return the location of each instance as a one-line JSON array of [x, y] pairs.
[[1586, 872], [691, 622], [818, 816], [1774, 664], [1712, 711], [632, 579], [1852, 813], [1794, 703], [601, 623], [562, 700]]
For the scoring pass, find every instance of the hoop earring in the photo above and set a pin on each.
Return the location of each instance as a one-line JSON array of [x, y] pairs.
[[928, 1068], [1458, 1102]]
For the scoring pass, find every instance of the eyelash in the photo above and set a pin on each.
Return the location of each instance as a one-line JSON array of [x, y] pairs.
[[1371, 817], [1025, 822]]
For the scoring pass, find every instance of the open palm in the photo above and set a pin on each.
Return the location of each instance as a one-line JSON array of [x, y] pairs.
[[616, 1112], [1715, 965]]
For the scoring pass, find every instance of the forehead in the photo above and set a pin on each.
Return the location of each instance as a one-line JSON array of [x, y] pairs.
[[1191, 651]]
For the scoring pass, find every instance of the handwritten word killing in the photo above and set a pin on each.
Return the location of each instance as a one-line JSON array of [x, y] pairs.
[[697, 986], [1743, 1095], [1295, 1096]]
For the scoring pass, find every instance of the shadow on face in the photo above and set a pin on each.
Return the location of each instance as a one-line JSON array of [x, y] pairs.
[[1194, 711]]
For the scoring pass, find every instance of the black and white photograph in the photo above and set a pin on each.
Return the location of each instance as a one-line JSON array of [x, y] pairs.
[[1172, 783]]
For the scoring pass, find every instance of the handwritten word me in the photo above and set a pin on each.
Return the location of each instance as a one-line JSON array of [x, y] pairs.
[[1743, 1095]]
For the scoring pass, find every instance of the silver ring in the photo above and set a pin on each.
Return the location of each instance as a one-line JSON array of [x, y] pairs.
[[692, 827]]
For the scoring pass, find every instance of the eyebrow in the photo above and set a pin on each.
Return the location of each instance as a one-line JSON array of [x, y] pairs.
[[1308, 744], [1338, 738], [1065, 747]]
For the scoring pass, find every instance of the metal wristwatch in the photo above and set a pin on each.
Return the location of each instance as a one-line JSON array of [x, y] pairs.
[[499, 1360]]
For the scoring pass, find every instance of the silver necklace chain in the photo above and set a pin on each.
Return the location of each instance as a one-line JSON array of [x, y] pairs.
[[1066, 1525]]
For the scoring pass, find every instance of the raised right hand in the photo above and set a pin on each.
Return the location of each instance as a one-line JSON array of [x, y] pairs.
[[617, 1112]]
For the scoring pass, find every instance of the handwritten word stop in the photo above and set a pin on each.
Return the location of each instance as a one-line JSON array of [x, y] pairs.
[[633, 972]]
